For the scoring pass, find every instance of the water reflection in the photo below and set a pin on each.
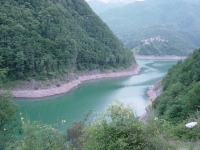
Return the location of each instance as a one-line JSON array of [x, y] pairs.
[[96, 95]]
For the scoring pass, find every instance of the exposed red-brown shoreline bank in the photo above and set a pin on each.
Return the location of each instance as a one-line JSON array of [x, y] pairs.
[[64, 88]]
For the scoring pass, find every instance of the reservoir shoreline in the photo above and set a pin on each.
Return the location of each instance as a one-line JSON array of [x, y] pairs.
[[153, 92], [93, 95], [67, 87], [77, 80]]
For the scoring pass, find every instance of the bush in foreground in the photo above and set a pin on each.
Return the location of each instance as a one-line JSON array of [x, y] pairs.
[[119, 129], [37, 136], [9, 126], [116, 129]]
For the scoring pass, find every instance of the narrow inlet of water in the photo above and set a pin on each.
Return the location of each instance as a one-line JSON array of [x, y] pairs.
[[96, 95]]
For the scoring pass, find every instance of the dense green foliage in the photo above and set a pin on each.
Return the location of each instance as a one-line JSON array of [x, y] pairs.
[[74, 134], [3, 73], [39, 137], [174, 132], [9, 126], [116, 129], [181, 93], [119, 129], [42, 38], [175, 20]]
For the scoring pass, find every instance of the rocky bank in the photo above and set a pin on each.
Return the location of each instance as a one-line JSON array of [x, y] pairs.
[[64, 88], [153, 92]]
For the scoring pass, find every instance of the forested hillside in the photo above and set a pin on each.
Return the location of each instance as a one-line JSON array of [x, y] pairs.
[[158, 49], [175, 20], [181, 94], [44, 38], [178, 44]]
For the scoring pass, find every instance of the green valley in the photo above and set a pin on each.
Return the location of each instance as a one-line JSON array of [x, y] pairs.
[[176, 21], [43, 40]]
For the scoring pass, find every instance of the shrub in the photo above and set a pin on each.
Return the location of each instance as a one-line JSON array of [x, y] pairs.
[[74, 134], [119, 129], [40, 136], [9, 126]]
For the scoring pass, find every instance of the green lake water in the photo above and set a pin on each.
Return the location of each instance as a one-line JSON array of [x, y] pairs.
[[96, 95]]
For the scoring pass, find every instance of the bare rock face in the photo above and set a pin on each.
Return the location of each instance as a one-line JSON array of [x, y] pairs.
[[155, 90]]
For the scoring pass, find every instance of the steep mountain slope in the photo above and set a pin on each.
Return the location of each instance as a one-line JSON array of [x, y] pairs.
[[177, 18], [181, 92], [45, 38]]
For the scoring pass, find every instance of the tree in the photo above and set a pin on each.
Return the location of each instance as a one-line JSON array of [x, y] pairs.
[[20, 59], [40, 136], [9, 126], [3, 73]]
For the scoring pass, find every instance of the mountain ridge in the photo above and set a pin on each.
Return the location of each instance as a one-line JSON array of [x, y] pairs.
[[47, 38], [134, 22]]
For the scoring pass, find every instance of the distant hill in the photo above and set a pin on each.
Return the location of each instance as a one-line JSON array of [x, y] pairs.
[[181, 94], [46, 38], [176, 20], [178, 43]]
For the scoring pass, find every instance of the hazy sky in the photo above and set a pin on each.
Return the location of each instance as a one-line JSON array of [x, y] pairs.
[[115, 1]]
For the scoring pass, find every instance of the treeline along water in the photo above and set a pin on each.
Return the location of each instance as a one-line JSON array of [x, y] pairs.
[[96, 95]]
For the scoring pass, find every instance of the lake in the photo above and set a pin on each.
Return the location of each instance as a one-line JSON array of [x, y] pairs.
[[96, 95]]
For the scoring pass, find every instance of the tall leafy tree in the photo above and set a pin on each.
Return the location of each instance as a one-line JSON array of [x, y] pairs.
[[9, 126]]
